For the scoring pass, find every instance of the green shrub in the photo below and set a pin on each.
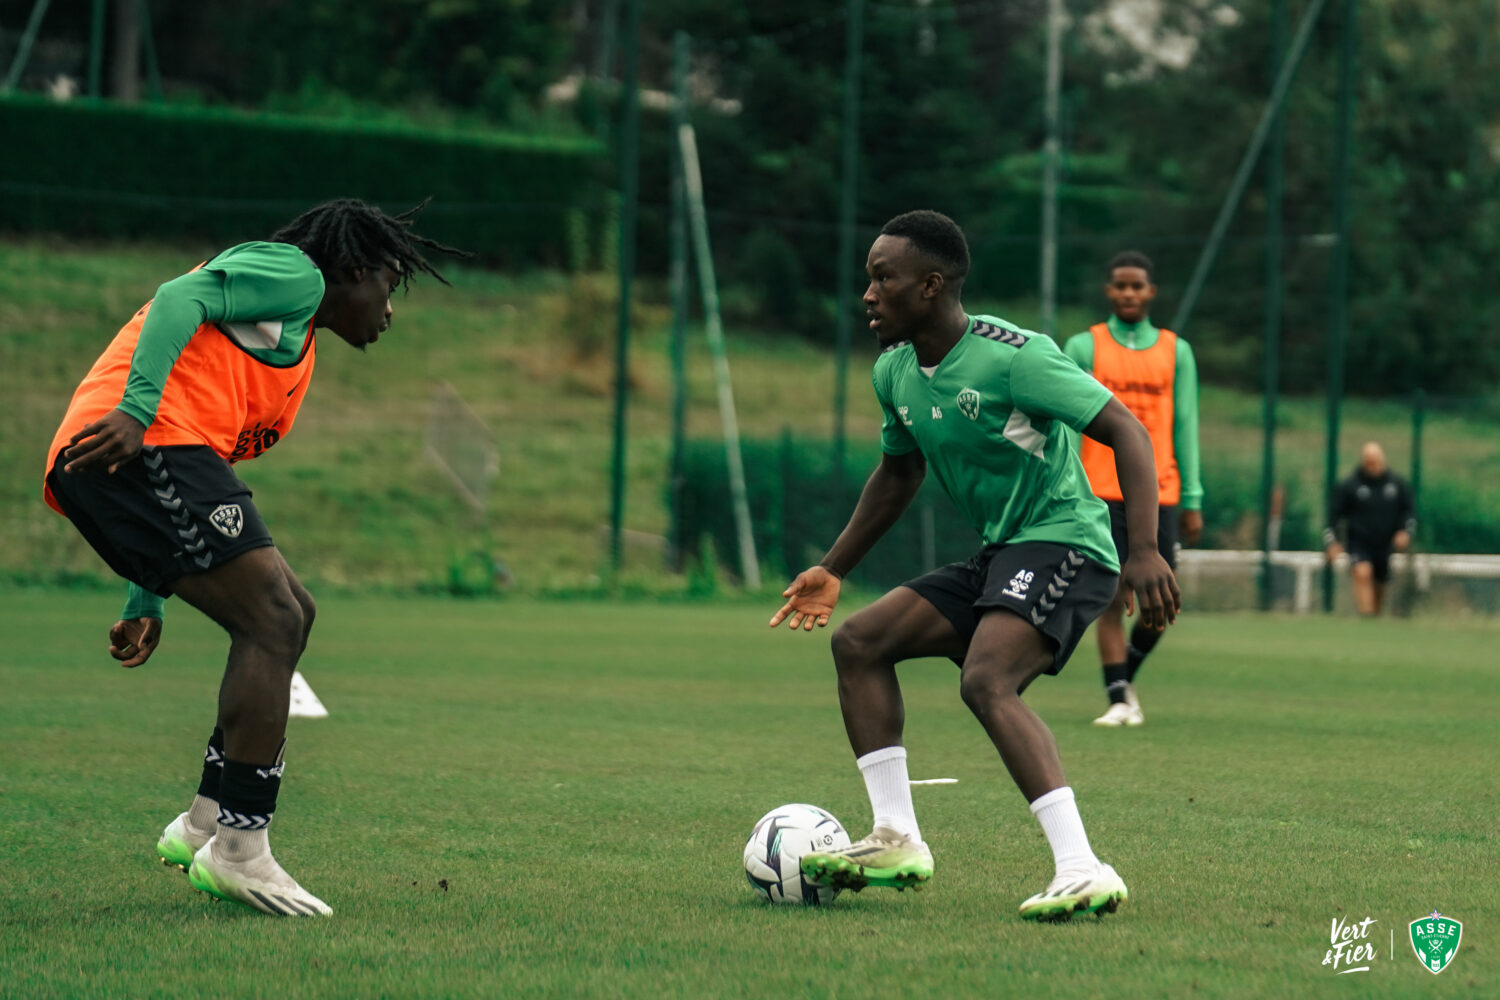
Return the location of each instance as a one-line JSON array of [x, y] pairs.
[[91, 168]]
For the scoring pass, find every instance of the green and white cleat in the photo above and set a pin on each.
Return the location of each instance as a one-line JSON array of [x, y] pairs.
[[179, 842], [885, 857], [258, 882], [1100, 891]]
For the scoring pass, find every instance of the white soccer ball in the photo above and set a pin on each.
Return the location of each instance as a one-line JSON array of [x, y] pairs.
[[774, 853]]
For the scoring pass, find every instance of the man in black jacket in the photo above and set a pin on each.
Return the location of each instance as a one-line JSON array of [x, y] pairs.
[[1377, 506]]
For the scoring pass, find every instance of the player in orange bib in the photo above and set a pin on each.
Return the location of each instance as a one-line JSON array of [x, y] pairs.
[[1153, 373], [211, 372]]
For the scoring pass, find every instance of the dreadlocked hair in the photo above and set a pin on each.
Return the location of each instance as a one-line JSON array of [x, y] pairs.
[[348, 233]]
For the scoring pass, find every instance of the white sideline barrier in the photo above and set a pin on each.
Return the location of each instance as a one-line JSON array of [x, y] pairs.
[[1194, 566]]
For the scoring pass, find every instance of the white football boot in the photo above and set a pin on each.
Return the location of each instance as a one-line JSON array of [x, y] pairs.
[[257, 882], [1100, 890], [180, 841], [1121, 714]]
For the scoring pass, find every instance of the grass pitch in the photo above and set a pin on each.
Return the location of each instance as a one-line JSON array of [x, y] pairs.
[[550, 799]]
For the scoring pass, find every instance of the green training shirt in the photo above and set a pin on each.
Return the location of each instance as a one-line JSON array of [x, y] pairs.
[[263, 296], [998, 423], [1141, 336]]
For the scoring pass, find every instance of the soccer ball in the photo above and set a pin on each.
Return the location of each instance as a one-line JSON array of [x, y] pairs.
[[774, 853]]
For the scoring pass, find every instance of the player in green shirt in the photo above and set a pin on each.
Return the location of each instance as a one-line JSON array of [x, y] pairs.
[[995, 412]]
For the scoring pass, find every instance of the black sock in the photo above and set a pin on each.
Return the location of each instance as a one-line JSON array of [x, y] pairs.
[[1116, 676], [213, 766], [247, 794], [1142, 641]]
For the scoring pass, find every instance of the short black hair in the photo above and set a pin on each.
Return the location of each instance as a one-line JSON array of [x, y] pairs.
[[1130, 258], [937, 236], [348, 233]]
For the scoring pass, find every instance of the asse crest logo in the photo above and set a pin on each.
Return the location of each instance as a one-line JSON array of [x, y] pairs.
[[968, 403], [1435, 939]]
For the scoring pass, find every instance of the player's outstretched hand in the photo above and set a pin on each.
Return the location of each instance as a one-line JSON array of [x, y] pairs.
[[132, 641], [1151, 587], [110, 441], [810, 599]]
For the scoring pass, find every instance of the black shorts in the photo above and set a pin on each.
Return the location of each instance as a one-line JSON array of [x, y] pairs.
[[1166, 531], [1055, 588], [1378, 556], [167, 512]]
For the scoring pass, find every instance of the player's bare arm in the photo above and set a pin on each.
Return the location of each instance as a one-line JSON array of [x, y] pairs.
[[890, 489], [1147, 579], [132, 641], [110, 441]]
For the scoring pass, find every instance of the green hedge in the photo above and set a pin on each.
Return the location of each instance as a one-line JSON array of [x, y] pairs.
[[93, 168]]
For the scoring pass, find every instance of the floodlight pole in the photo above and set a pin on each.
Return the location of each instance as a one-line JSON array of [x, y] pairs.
[[1271, 344], [1050, 156], [1338, 274], [854, 36], [96, 47], [627, 150], [709, 286], [1247, 166], [23, 50], [678, 279]]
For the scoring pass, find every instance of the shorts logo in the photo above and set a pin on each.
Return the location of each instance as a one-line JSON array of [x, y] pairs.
[[228, 518], [1019, 585], [968, 403], [1435, 939]]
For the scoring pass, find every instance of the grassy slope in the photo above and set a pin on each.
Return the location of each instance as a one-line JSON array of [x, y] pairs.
[[549, 799], [354, 500]]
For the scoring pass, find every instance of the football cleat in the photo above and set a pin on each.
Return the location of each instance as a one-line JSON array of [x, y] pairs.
[[179, 842], [257, 882], [1077, 892], [1121, 714], [885, 857]]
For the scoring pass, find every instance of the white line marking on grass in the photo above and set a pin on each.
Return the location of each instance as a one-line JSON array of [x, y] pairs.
[[941, 781]]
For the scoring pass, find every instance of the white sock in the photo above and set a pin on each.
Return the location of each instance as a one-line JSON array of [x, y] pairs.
[[890, 790], [1058, 813], [241, 845], [203, 815]]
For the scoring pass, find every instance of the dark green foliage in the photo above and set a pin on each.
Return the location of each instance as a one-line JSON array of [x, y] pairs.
[[153, 171]]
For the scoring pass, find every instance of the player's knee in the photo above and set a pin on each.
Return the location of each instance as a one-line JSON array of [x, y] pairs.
[[855, 643], [278, 624], [985, 680], [1363, 572], [980, 687], [309, 608]]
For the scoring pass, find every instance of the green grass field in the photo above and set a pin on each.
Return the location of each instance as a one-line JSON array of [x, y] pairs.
[[515, 798]]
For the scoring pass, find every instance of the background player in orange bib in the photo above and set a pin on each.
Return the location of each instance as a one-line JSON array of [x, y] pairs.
[[1152, 372], [211, 372]]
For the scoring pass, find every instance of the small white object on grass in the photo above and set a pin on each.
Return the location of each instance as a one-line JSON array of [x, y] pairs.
[[305, 704], [934, 781]]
